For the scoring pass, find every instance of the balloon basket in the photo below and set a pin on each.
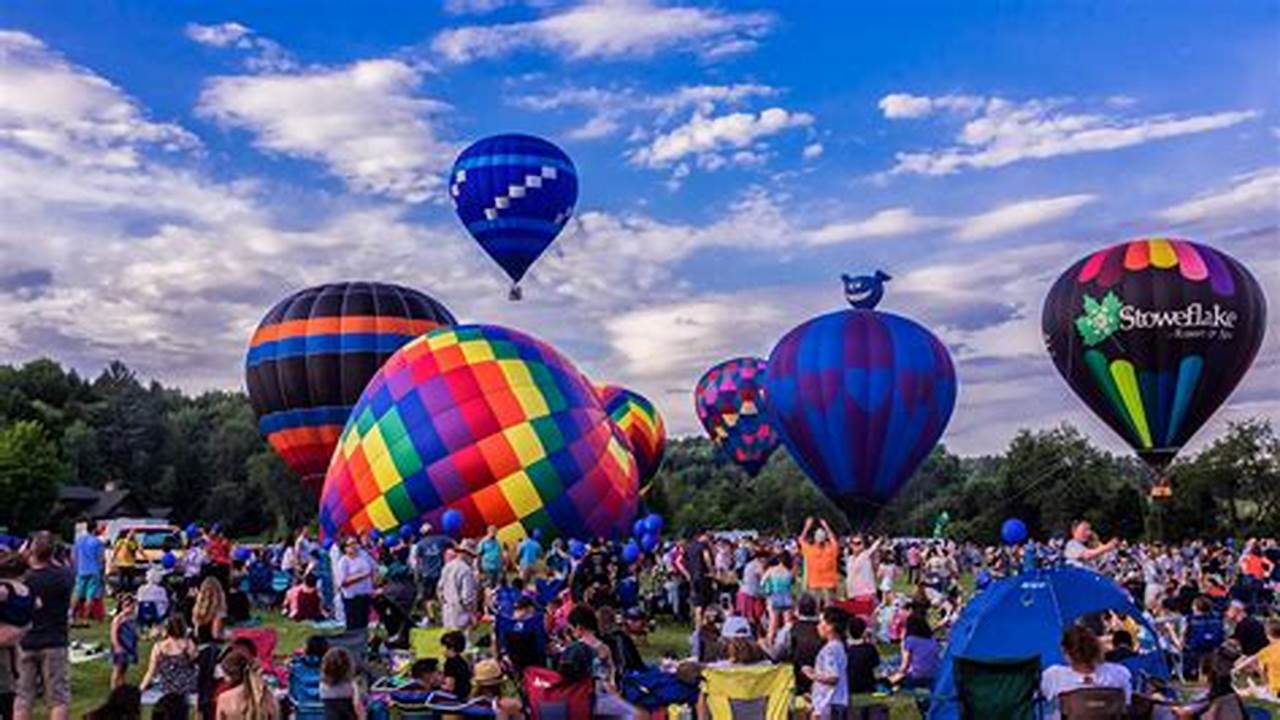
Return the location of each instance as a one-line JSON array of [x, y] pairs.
[[1161, 490], [515, 294]]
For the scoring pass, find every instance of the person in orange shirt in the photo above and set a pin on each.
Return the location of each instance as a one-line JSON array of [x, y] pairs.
[[821, 560]]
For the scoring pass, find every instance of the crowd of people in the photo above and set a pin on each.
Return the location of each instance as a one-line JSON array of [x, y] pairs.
[[844, 615]]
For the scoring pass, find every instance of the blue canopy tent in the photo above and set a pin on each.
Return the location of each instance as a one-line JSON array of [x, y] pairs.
[[1020, 619]]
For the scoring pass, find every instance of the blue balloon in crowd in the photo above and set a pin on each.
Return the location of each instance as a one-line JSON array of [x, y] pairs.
[[1013, 531], [406, 532], [514, 193], [452, 521], [192, 530], [649, 542], [390, 540], [375, 535], [168, 560], [654, 524], [577, 549], [639, 529], [328, 544], [241, 554], [630, 553]]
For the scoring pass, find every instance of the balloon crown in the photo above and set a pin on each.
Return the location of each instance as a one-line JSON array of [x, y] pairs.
[[865, 291]]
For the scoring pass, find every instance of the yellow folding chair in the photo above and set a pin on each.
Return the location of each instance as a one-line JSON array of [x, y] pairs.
[[749, 692]]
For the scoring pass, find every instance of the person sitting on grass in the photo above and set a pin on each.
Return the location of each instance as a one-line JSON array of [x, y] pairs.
[[1220, 699], [304, 672], [1085, 667], [1266, 664], [338, 689], [124, 703], [488, 687], [153, 600], [921, 655], [303, 603], [172, 667], [124, 640], [247, 697], [863, 658], [457, 671]]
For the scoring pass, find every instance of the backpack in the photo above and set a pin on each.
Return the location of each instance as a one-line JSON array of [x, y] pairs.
[[552, 696], [653, 689], [18, 607]]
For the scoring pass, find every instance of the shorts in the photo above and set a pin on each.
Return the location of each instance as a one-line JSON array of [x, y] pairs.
[[700, 593], [750, 606], [48, 666], [88, 587], [123, 659], [429, 584], [863, 606]]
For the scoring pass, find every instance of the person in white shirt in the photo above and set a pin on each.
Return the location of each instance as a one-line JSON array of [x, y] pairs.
[[860, 577], [1084, 668], [457, 589], [152, 595], [357, 570], [830, 673], [1079, 552]]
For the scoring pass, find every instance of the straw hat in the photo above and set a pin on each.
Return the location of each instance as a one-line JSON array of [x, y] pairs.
[[488, 673]]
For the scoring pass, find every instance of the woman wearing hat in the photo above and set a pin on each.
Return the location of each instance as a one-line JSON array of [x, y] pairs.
[[487, 683]]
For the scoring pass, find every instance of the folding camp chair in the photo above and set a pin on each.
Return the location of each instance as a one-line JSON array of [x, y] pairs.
[[1005, 690], [749, 692], [1093, 703], [550, 697]]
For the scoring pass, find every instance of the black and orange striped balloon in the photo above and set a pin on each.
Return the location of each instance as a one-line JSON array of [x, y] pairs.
[[313, 354]]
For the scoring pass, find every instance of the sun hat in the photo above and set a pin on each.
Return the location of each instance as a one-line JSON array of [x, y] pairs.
[[488, 673]]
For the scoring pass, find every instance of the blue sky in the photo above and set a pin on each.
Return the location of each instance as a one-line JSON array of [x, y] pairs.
[[169, 170]]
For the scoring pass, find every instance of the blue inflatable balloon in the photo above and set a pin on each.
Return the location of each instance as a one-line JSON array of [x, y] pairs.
[[451, 521], [630, 553], [375, 535], [860, 398], [577, 549], [649, 542], [639, 528], [514, 193], [168, 560], [406, 532], [192, 530], [654, 524], [241, 554], [1013, 531]]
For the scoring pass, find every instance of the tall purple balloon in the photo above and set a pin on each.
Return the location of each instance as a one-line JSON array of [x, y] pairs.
[[860, 397]]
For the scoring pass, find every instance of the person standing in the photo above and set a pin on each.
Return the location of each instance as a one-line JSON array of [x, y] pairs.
[[829, 672], [90, 562], [427, 560], [356, 570], [860, 577], [695, 564], [457, 590], [529, 552], [43, 658], [16, 606], [1082, 549], [491, 558], [821, 560]]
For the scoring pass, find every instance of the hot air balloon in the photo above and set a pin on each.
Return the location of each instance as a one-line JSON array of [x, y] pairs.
[[730, 402], [487, 422], [860, 397], [642, 425], [514, 193], [314, 352], [1153, 335]]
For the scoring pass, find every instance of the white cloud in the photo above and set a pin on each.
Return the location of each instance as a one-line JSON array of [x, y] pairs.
[[704, 134], [1000, 132], [1011, 218], [897, 106], [1000, 221], [221, 35], [50, 107], [813, 151], [1253, 193], [366, 122], [474, 7], [891, 222], [610, 29], [264, 54]]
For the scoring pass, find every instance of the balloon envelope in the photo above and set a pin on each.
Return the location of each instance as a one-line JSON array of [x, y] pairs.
[[860, 397], [487, 422], [642, 425], [730, 402], [314, 352], [1153, 335], [514, 193], [1013, 531]]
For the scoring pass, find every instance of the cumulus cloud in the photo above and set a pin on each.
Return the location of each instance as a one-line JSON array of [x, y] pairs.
[[998, 132], [50, 107], [610, 29], [703, 135], [1253, 193], [264, 54], [367, 122], [1000, 221], [812, 151]]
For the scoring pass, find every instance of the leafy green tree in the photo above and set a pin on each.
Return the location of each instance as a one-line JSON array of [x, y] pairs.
[[30, 474]]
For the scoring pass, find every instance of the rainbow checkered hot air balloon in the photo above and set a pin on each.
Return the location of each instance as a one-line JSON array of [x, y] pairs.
[[487, 421], [730, 402], [312, 355], [641, 423]]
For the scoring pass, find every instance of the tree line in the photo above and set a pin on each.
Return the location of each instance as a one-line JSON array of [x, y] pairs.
[[201, 456]]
